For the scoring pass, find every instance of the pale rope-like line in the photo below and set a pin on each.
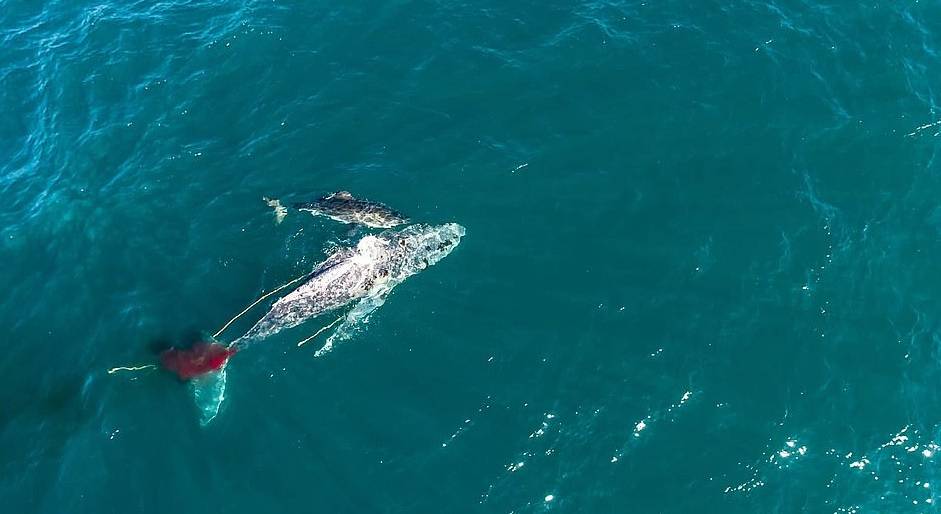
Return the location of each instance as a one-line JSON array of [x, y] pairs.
[[130, 368], [321, 330], [221, 330], [239, 315]]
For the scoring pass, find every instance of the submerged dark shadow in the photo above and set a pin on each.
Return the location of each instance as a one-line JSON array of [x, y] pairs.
[[187, 339], [45, 400]]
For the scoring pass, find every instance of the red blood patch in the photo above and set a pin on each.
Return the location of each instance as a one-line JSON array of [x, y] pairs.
[[192, 362]]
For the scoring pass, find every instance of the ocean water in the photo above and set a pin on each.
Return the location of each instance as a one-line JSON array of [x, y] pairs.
[[700, 271]]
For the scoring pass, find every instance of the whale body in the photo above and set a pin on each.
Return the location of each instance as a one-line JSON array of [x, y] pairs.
[[364, 274], [343, 207], [372, 268]]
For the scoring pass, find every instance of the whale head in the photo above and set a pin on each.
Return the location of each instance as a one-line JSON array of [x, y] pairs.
[[416, 247]]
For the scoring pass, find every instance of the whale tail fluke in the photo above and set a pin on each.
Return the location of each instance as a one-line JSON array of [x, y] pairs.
[[203, 366], [209, 393]]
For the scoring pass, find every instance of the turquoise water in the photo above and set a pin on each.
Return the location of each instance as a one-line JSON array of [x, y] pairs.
[[700, 271]]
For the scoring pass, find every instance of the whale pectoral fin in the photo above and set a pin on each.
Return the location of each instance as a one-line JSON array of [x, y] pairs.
[[209, 392], [355, 319], [342, 195]]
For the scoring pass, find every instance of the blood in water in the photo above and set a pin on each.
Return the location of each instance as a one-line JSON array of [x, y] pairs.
[[198, 360]]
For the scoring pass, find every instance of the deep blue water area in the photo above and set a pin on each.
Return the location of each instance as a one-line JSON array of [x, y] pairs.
[[700, 270]]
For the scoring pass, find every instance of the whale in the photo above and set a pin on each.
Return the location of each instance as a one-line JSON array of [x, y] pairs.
[[343, 207], [362, 276], [373, 267]]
